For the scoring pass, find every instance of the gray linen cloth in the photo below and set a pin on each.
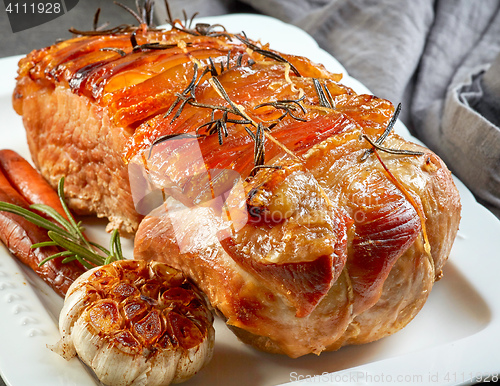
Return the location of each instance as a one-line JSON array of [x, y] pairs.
[[436, 57]]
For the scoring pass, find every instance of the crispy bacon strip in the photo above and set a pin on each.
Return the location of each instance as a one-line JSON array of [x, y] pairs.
[[25, 179]]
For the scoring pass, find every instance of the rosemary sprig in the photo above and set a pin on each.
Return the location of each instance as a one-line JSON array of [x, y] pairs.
[[258, 167], [391, 124], [95, 24], [259, 145], [219, 126], [389, 150], [266, 53], [200, 29], [213, 126], [67, 234], [189, 90], [378, 143], [324, 95], [169, 137], [122, 28], [288, 106], [144, 14], [114, 49]]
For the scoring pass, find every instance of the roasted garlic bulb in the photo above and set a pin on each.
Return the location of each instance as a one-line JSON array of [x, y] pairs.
[[134, 322]]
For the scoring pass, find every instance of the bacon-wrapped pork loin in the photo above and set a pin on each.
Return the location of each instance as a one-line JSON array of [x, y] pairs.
[[283, 194]]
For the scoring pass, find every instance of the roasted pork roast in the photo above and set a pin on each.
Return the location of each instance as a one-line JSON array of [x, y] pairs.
[[281, 193]]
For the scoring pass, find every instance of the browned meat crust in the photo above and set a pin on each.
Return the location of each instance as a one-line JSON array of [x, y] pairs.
[[359, 238]]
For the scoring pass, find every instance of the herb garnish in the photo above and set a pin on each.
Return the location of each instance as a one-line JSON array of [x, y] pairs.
[[389, 150], [144, 16], [288, 106], [219, 126], [259, 148], [200, 29], [324, 96]]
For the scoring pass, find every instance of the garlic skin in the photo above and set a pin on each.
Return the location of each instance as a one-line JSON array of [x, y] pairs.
[[136, 323]]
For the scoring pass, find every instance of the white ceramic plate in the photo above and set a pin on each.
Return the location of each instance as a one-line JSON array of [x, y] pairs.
[[450, 341]]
